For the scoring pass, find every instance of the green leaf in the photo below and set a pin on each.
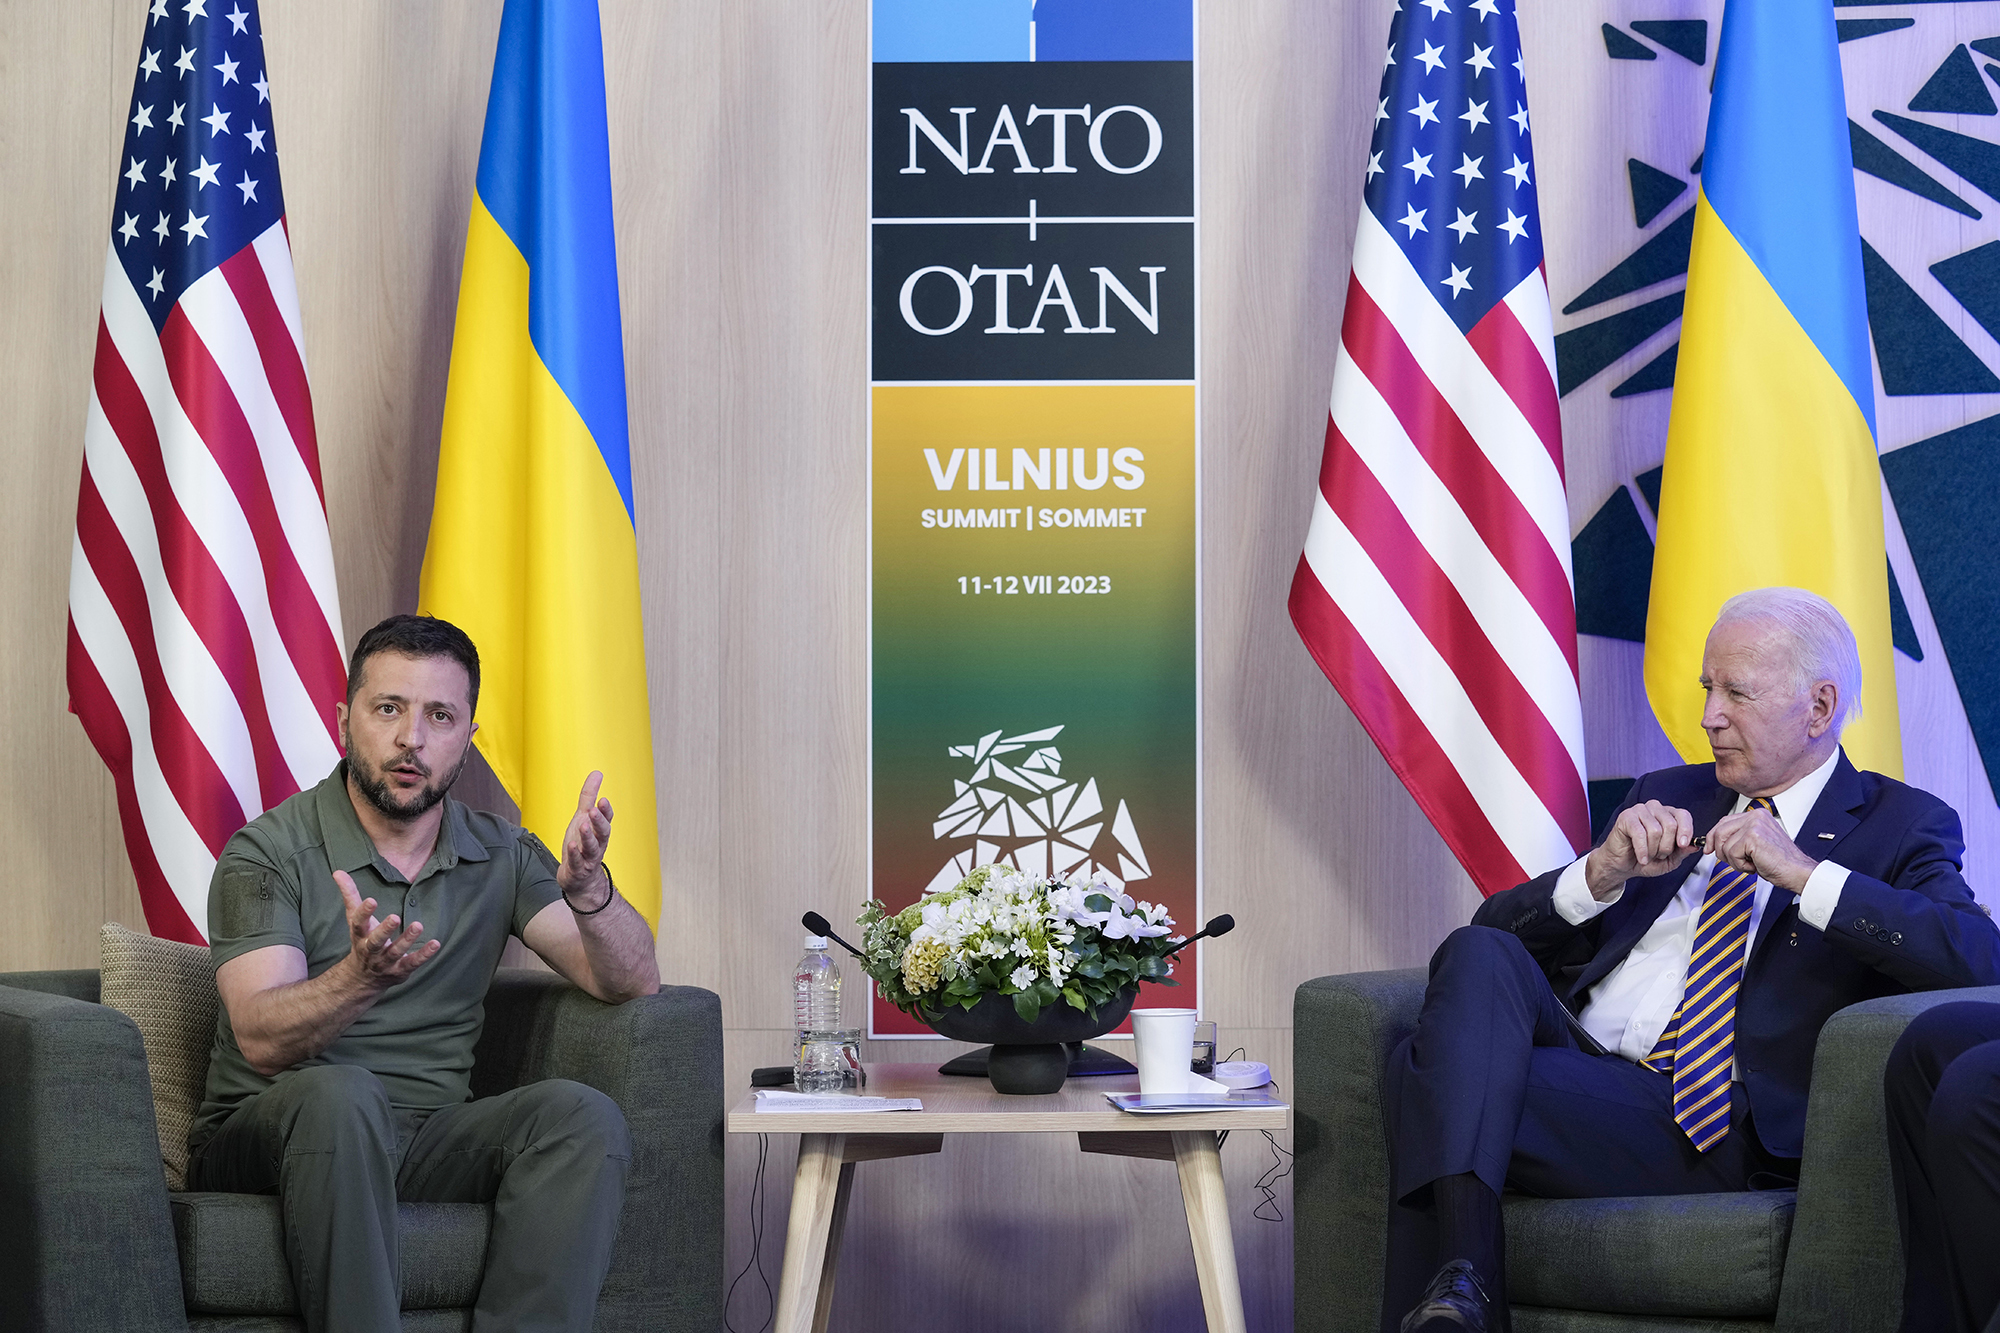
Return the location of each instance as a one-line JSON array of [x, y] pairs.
[[1097, 902], [1028, 1006]]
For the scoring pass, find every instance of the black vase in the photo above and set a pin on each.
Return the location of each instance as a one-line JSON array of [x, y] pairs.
[[1029, 1059]]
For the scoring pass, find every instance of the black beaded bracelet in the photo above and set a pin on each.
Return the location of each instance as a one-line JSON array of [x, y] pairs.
[[610, 884]]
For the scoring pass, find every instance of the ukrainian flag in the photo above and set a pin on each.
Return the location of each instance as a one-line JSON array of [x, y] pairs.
[[1771, 473], [531, 547]]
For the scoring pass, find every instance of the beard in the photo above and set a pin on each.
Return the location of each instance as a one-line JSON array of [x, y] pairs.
[[375, 789]]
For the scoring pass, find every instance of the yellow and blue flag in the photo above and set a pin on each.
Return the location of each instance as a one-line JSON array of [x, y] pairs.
[[1771, 472], [532, 549]]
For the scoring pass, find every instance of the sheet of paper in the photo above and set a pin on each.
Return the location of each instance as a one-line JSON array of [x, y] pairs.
[[772, 1100]]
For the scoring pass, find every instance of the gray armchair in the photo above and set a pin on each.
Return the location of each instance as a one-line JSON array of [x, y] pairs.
[[91, 1239], [1824, 1257]]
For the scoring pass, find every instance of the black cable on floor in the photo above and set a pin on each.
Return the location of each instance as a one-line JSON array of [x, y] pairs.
[[756, 1260], [1281, 1166], [1267, 1184]]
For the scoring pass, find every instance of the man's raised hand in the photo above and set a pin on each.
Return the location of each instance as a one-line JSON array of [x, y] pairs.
[[1757, 842], [382, 957], [1645, 840], [581, 874]]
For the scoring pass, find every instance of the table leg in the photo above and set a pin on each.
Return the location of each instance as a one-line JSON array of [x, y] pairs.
[[820, 1190], [830, 1265], [805, 1278], [1200, 1162]]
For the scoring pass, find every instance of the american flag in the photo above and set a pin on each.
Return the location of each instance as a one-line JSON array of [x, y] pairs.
[[1435, 587], [204, 629]]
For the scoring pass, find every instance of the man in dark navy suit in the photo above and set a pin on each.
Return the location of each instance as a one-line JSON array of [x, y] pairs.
[[1942, 1092], [1643, 1020]]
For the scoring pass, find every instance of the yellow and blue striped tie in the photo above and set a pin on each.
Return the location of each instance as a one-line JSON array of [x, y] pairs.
[[1699, 1046]]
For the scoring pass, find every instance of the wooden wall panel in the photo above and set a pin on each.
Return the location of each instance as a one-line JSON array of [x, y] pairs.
[[668, 173], [791, 326], [65, 74], [738, 147]]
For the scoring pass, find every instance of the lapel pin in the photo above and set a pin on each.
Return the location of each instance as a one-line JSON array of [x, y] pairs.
[[1826, 837]]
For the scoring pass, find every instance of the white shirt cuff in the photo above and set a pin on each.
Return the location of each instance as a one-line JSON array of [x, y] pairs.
[[1821, 896], [1572, 899]]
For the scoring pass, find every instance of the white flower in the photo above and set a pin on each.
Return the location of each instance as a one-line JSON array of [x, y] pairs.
[[1129, 920], [1117, 926], [1023, 977], [1156, 919], [1066, 904], [1103, 920]]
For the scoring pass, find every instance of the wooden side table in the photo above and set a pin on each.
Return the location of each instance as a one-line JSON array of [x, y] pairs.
[[831, 1143]]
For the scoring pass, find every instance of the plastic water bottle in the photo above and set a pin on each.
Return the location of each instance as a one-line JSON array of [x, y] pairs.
[[818, 1063]]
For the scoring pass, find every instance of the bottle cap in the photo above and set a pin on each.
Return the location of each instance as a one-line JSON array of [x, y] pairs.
[[816, 941]]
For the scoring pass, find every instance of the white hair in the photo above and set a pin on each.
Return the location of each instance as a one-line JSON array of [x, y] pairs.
[[1822, 645]]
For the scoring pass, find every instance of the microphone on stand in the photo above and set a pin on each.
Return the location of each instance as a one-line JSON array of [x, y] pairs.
[[1220, 925], [819, 925]]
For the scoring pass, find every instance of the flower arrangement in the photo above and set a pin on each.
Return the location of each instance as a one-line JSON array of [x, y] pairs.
[[1001, 931]]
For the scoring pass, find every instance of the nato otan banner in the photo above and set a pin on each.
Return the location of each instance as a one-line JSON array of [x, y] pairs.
[[1033, 450]]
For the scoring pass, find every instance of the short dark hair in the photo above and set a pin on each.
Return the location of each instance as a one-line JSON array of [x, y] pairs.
[[416, 636]]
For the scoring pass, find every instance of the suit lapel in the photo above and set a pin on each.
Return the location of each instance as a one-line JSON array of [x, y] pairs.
[[1833, 813], [1649, 897]]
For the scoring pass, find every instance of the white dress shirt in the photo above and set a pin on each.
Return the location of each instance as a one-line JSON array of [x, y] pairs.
[[1632, 1006]]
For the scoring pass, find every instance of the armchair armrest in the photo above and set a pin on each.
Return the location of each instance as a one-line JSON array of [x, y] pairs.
[[660, 1058], [86, 1240], [77, 983], [1844, 1269], [1343, 1031]]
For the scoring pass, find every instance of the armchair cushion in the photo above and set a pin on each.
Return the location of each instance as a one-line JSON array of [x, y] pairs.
[[1710, 1255], [233, 1256], [1537, 1319], [168, 989]]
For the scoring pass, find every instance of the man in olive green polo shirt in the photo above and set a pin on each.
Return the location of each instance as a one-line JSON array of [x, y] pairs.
[[355, 929]]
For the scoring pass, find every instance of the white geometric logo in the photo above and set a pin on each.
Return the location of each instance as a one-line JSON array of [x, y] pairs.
[[1048, 831]]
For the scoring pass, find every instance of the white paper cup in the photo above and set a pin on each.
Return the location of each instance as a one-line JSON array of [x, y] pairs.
[[1165, 1041]]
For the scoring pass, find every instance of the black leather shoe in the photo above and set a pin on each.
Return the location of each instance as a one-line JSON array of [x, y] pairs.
[[1455, 1302]]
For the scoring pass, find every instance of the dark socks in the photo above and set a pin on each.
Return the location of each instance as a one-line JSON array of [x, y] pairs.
[[1468, 1216]]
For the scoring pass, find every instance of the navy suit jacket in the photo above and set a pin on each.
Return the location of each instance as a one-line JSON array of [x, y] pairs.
[[1906, 922]]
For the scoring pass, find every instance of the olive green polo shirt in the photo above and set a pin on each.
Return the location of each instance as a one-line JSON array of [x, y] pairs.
[[485, 880]]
